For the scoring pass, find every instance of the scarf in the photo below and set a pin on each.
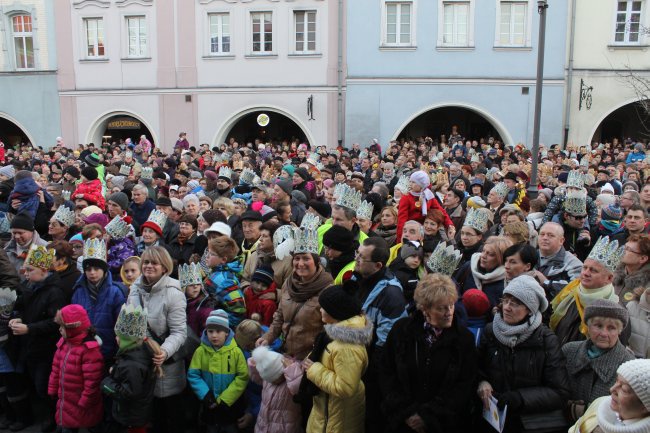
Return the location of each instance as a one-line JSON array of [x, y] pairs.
[[481, 277], [610, 422], [425, 195], [512, 335], [301, 291], [575, 293], [93, 289], [26, 190], [610, 227], [389, 233], [431, 334]]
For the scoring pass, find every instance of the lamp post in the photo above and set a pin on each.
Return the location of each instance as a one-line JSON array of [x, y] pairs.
[[542, 5]]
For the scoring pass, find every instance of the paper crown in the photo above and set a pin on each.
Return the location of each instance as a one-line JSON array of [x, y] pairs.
[[476, 219], [403, 184], [95, 249], [283, 242], [305, 241], [575, 202], [247, 175], [128, 154], [338, 189], [64, 215], [157, 217], [225, 172], [475, 158], [147, 173], [7, 301], [607, 252], [444, 259], [40, 257], [310, 221], [349, 198], [5, 225], [132, 322], [66, 195], [117, 228], [364, 211], [190, 274], [575, 179], [125, 169], [501, 189]]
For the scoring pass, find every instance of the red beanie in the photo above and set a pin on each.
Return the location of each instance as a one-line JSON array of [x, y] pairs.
[[476, 303], [74, 319], [153, 226]]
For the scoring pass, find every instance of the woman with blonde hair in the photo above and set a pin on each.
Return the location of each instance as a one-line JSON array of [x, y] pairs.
[[130, 271], [387, 227]]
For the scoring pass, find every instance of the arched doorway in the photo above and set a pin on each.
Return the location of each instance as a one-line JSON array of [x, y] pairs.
[[11, 134], [245, 128], [115, 127], [629, 121], [437, 121]]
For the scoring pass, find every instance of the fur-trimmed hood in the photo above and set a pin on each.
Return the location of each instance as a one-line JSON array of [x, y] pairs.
[[355, 330]]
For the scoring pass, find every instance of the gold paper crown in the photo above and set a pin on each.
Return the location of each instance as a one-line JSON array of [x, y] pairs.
[[40, 257], [501, 189], [575, 179], [132, 322], [247, 175], [65, 216], [349, 198], [283, 241], [444, 259], [575, 202], [125, 169], [364, 212], [117, 228], [403, 184], [157, 217], [225, 172], [477, 220], [95, 249], [190, 274], [305, 241], [310, 221], [66, 194], [146, 173], [7, 301], [607, 252]]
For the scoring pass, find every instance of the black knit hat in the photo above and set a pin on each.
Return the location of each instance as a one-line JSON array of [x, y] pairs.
[[89, 173], [338, 238], [164, 201], [303, 173], [322, 208], [72, 171], [22, 221], [121, 199], [511, 176], [263, 274], [97, 263], [339, 301], [92, 160]]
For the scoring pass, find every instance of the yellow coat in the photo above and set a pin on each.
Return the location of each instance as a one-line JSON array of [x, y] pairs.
[[341, 405]]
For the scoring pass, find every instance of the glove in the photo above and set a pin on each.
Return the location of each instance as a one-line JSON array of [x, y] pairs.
[[512, 399], [209, 401]]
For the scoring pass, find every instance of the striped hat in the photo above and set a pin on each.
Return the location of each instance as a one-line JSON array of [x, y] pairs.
[[218, 319]]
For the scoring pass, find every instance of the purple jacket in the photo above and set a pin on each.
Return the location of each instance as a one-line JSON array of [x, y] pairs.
[[197, 311]]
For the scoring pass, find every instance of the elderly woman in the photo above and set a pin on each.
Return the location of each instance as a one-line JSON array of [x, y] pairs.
[[191, 205], [520, 361], [162, 296], [429, 364], [591, 364], [626, 409]]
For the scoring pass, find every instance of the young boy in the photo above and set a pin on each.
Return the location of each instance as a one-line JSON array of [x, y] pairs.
[[261, 296], [218, 375], [223, 283], [408, 270]]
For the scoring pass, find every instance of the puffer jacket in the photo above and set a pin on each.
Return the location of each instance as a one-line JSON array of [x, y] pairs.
[[103, 312], [75, 378], [166, 305], [640, 326], [90, 191], [341, 404]]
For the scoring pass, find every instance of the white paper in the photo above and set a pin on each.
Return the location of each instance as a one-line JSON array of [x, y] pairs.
[[495, 417]]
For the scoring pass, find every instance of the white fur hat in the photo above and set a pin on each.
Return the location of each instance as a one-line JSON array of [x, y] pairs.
[[268, 364]]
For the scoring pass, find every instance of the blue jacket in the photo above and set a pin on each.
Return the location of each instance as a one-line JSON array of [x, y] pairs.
[[634, 157], [141, 213], [102, 313]]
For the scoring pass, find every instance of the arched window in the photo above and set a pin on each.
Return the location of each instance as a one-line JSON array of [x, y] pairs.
[[23, 41]]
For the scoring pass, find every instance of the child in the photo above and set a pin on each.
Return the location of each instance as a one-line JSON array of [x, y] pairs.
[[340, 359], [199, 304], [261, 296], [280, 378], [218, 375], [76, 372], [130, 271], [223, 283], [408, 270], [476, 305], [90, 188], [131, 380]]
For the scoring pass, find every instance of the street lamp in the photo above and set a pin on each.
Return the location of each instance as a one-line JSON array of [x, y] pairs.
[[542, 5]]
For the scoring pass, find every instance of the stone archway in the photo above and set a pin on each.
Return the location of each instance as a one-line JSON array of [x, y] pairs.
[[120, 124]]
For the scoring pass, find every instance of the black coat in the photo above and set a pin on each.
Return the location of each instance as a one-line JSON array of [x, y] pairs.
[[69, 278], [437, 383]]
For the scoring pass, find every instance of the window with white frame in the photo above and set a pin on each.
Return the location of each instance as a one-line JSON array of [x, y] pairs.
[[513, 22], [628, 22], [398, 23], [262, 27], [305, 31], [136, 28], [94, 28], [23, 41], [456, 23], [219, 33]]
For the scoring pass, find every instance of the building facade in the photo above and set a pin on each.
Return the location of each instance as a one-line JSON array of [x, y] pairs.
[[205, 67], [29, 104], [416, 67]]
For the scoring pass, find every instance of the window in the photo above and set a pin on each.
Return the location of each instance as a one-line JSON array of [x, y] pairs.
[[628, 22], [512, 24], [456, 24], [397, 23], [305, 26], [23, 41], [136, 28], [262, 32], [219, 33], [94, 37]]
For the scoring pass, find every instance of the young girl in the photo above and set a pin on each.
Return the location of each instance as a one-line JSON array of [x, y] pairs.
[[76, 372], [130, 270], [199, 304]]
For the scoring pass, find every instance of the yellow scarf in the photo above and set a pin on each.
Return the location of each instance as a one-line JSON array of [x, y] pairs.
[[575, 293]]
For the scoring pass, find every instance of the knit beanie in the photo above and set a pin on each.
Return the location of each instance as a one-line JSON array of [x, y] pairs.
[[613, 212], [527, 290], [120, 199], [74, 319], [631, 184], [97, 218], [92, 159], [89, 210], [218, 319], [339, 302], [302, 172], [89, 173], [263, 274], [72, 171], [476, 303], [338, 238], [421, 178], [118, 181], [289, 169], [8, 171], [286, 185], [268, 364], [637, 374], [321, 208], [410, 248], [299, 196], [22, 221], [607, 188], [606, 308]]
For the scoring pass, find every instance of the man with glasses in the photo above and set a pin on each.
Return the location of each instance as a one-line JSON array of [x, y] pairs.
[[634, 223], [634, 270], [629, 199], [573, 219]]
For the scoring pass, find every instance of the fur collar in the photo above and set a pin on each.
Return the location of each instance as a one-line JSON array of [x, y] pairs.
[[356, 330]]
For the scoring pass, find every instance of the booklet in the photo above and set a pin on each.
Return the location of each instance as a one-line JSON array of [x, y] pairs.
[[495, 417]]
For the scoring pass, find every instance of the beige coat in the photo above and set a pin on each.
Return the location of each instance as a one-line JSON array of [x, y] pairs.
[[281, 270]]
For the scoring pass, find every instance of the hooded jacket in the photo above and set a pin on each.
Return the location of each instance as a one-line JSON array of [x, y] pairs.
[[91, 191], [223, 284]]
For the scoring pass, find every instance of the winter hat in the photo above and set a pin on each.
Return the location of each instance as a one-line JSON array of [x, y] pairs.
[[299, 196], [613, 212], [263, 274], [302, 172], [606, 308], [527, 290], [289, 169], [627, 184], [637, 374], [8, 171], [476, 202], [76, 239], [338, 238], [97, 218], [89, 210], [607, 188], [22, 221], [164, 201], [89, 173], [285, 185], [218, 319], [219, 227], [563, 177], [120, 199], [476, 303], [268, 364], [410, 248], [118, 181], [323, 209], [339, 302], [251, 215], [421, 178], [177, 204], [74, 319], [209, 174], [72, 171], [547, 193], [92, 159]]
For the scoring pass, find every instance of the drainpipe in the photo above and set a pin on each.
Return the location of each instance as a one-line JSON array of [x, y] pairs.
[[340, 74], [569, 81]]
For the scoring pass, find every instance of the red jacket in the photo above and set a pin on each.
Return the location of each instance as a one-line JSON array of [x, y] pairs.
[[407, 210], [76, 375], [92, 193], [264, 303]]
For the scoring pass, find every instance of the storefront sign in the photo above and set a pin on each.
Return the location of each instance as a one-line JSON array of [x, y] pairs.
[[123, 123]]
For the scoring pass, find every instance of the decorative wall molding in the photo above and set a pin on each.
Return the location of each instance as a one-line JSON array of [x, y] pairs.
[[125, 3], [80, 4]]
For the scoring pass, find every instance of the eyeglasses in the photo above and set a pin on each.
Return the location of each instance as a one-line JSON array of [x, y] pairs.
[[628, 249], [150, 262], [358, 258], [511, 301]]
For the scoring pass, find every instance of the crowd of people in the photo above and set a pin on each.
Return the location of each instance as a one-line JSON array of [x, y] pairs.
[[280, 287]]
